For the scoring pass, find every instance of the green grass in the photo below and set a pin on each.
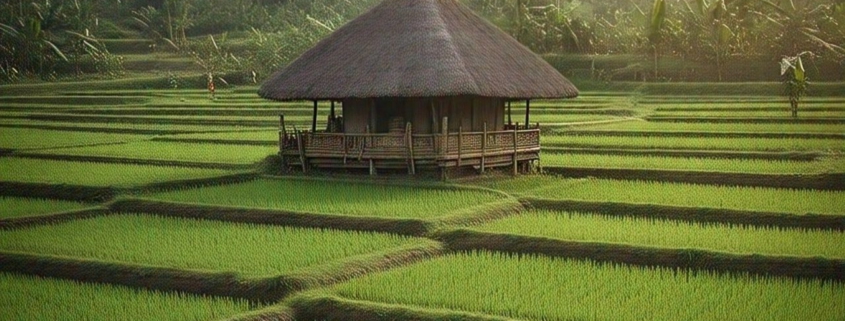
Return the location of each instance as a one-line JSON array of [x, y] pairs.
[[36, 298], [96, 174], [704, 127], [15, 207], [657, 142], [359, 199], [677, 194], [199, 245], [174, 151], [672, 234], [543, 288], [757, 166], [25, 138]]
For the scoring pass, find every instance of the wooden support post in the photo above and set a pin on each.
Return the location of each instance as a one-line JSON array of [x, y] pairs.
[[433, 118], [314, 119], [509, 114], [515, 149], [281, 133], [363, 143], [282, 137], [372, 168], [444, 132], [331, 113], [409, 140], [460, 143], [484, 149], [527, 112], [301, 146], [345, 149]]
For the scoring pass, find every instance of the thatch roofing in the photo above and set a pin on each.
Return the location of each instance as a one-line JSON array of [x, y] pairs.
[[417, 48]]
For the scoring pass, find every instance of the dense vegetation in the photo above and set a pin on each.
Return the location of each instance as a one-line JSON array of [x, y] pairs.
[[247, 39]]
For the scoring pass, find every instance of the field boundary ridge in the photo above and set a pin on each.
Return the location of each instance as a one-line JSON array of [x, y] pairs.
[[682, 258], [694, 214], [825, 182]]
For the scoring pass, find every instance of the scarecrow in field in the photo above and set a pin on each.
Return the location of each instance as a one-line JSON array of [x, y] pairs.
[[211, 85]]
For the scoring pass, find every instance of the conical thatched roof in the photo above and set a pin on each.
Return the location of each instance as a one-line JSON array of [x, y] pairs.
[[417, 48]]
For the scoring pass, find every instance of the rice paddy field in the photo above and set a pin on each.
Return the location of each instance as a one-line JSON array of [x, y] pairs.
[[199, 223]]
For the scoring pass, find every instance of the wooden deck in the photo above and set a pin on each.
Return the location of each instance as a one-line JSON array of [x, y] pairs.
[[480, 150]]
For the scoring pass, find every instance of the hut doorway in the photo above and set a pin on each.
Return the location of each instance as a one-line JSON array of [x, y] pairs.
[[392, 115]]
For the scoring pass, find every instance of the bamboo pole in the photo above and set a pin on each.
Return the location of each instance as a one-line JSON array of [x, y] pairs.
[[345, 149], [527, 112], [460, 143], [301, 147], [444, 131], [282, 138], [281, 133], [484, 149], [509, 114], [515, 150], [410, 141]]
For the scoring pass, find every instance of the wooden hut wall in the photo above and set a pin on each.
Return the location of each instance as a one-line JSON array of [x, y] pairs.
[[356, 115], [468, 113]]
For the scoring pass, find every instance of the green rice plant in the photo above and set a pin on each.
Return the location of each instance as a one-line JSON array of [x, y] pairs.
[[561, 118], [750, 114], [14, 207], [359, 199], [174, 151], [657, 142], [543, 288], [707, 127], [757, 166], [672, 234], [676, 194], [96, 127], [36, 298], [96, 174], [25, 138], [267, 135], [255, 250]]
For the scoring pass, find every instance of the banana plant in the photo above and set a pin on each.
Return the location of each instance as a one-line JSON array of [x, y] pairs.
[[801, 26], [655, 29], [796, 81], [711, 21]]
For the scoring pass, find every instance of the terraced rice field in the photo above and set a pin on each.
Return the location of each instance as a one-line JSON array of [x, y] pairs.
[[739, 239], [346, 198], [198, 245], [740, 165], [172, 151], [14, 207], [19, 138], [796, 202], [541, 288], [255, 249], [36, 298], [96, 174]]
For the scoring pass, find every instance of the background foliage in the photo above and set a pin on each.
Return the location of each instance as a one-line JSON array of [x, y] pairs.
[[653, 40]]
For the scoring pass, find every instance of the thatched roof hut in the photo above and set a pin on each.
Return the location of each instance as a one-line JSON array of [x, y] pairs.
[[417, 48], [424, 68]]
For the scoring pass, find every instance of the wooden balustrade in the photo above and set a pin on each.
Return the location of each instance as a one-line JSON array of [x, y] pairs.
[[444, 149]]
